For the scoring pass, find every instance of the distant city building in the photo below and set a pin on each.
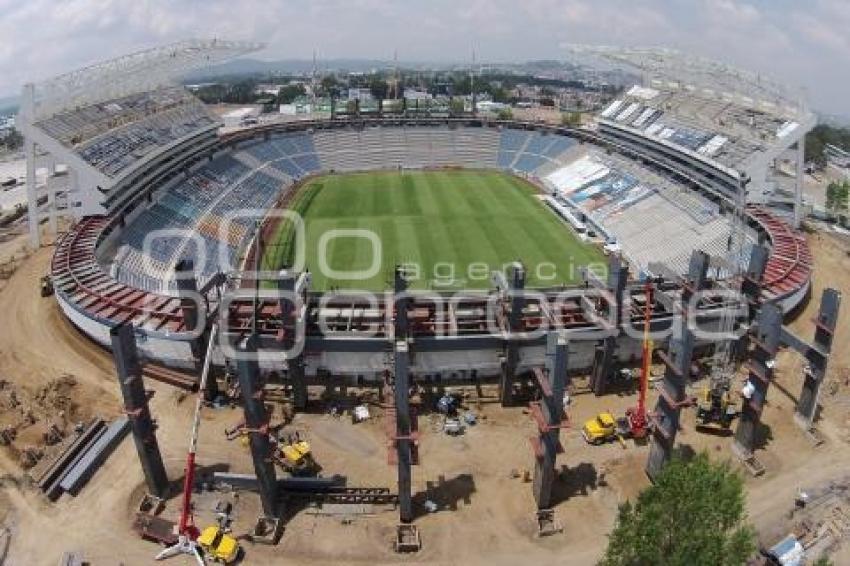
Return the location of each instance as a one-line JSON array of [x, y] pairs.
[[295, 108], [490, 106], [413, 94], [361, 94]]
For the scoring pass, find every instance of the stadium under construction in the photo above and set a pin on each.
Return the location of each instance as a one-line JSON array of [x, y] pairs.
[[674, 184]]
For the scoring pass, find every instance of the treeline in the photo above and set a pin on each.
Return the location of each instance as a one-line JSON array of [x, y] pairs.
[[11, 140], [497, 86], [819, 137], [241, 90]]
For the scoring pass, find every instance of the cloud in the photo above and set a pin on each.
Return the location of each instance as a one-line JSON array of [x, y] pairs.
[[806, 45]]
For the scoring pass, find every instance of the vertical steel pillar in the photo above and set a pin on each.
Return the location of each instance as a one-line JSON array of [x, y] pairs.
[[817, 357], [257, 423], [404, 429], [400, 304], [136, 406], [549, 416], [760, 374], [603, 355], [187, 290], [672, 395], [292, 300], [751, 290], [516, 299]]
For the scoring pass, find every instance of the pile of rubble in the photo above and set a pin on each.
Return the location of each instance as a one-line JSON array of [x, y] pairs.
[[30, 423]]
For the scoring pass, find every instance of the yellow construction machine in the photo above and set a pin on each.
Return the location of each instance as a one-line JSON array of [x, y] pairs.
[[604, 427], [218, 545], [296, 457], [715, 407]]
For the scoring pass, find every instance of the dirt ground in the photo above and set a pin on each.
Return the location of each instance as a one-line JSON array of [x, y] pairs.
[[485, 513]]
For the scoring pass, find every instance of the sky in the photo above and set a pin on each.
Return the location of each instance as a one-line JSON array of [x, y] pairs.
[[805, 43]]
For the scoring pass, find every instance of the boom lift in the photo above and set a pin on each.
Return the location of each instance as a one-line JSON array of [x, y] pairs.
[[636, 416], [215, 543]]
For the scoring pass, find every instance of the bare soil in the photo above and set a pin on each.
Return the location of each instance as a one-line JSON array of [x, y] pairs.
[[485, 507]]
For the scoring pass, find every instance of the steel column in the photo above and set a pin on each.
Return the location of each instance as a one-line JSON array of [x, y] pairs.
[[672, 390], [404, 429], [136, 406], [549, 416], [187, 290], [817, 357], [603, 359], [291, 302], [672, 396], [400, 304], [516, 299], [257, 421], [751, 290], [760, 367]]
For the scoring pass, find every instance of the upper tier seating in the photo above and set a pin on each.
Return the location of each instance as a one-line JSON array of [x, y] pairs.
[[112, 136]]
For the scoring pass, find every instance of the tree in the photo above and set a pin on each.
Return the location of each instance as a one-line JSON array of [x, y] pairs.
[[505, 114], [11, 140], [821, 135], [329, 85], [378, 87], [456, 106], [692, 515], [837, 196], [289, 93]]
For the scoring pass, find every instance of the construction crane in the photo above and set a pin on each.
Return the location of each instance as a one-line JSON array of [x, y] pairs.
[[187, 532], [715, 407], [636, 416]]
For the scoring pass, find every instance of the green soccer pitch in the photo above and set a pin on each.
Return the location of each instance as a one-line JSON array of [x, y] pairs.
[[450, 227]]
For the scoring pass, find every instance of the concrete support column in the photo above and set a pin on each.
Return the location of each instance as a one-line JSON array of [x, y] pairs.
[[32, 196], [257, 421], [798, 182], [51, 197], [817, 357], [136, 405]]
